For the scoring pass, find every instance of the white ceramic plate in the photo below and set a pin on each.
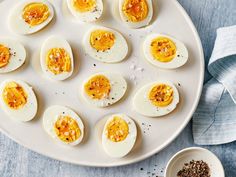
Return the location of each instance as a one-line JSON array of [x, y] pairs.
[[154, 133], [194, 153]]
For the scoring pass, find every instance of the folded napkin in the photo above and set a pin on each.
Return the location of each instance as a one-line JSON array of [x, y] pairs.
[[214, 121]]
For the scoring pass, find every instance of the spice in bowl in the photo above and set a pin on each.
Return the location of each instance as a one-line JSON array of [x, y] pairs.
[[195, 169]]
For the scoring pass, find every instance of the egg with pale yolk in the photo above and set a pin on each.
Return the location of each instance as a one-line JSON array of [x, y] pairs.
[[119, 135], [156, 99], [164, 51], [18, 100], [63, 124], [31, 16], [105, 45], [56, 58], [104, 89], [136, 13], [12, 55], [86, 10]]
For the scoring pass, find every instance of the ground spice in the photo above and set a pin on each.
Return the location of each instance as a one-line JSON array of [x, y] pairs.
[[195, 169]]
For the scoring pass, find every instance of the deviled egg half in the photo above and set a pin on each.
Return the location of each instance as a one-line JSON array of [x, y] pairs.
[[105, 45], [63, 125], [30, 16], [164, 51], [12, 55], [136, 13], [56, 58], [86, 10], [156, 99], [18, 101], [104, 89], [119, 135]]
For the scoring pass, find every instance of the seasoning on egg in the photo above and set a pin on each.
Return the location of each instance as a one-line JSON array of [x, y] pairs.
[[194, 168], [35, 13], [4, 55], [58, 61], [98, 87]]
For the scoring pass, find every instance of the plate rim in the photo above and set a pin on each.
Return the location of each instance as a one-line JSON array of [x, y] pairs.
[[170, 139]]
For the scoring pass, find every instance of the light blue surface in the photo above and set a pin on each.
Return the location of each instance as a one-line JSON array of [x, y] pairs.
[[16, 161], [214, 121]]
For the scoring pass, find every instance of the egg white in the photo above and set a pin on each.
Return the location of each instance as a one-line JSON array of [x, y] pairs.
[[55, 42], [118, 89], [18, 55], [122, 148], [181, 53], [144, 106], [17, 23], [28, 111], [89, 16], [117, 53], [50, 116], [140, 24]]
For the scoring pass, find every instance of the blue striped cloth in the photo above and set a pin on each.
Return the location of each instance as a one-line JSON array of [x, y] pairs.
[[214, 121]]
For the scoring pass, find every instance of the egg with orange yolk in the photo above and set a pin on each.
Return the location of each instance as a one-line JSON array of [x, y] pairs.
[[63, 124], [104, 89], [119, 135], [105, 45], [18, 100], [86, 10], [164, 51], [30, 16], [56, 58], [156, 99], [136, 13], [12, 55]]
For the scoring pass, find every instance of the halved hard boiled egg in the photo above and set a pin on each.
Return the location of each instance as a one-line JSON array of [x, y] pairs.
[[164, 51], [104, 89], [63, 125], [119, 135], [12, 55], [86, 10], [156, 99], [56, 58], [136, 13], [18, 100], [30, 16], [105, 45]]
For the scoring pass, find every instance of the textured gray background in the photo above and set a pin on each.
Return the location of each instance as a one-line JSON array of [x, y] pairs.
[[16, 160]]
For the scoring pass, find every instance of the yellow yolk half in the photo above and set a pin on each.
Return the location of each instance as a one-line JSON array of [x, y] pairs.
[[5, 55], [117, 129], [163, 49], [67, 129], [102, 40], [35, 13], [14, 95], [84, 5], [98, 87], [161, 95], [135, 10], [58, 60]]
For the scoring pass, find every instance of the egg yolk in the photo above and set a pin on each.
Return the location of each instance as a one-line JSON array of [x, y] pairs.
[[102, 40], [58, 61], [98, 87], [163, 49], [117, 129], [135, 10], [84, 5], [14, 95], [35, 13], [4, 55], [67, 129], [161, 95]]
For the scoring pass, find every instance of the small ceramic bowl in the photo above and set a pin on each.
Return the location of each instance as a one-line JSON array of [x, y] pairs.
[[194, 153]]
